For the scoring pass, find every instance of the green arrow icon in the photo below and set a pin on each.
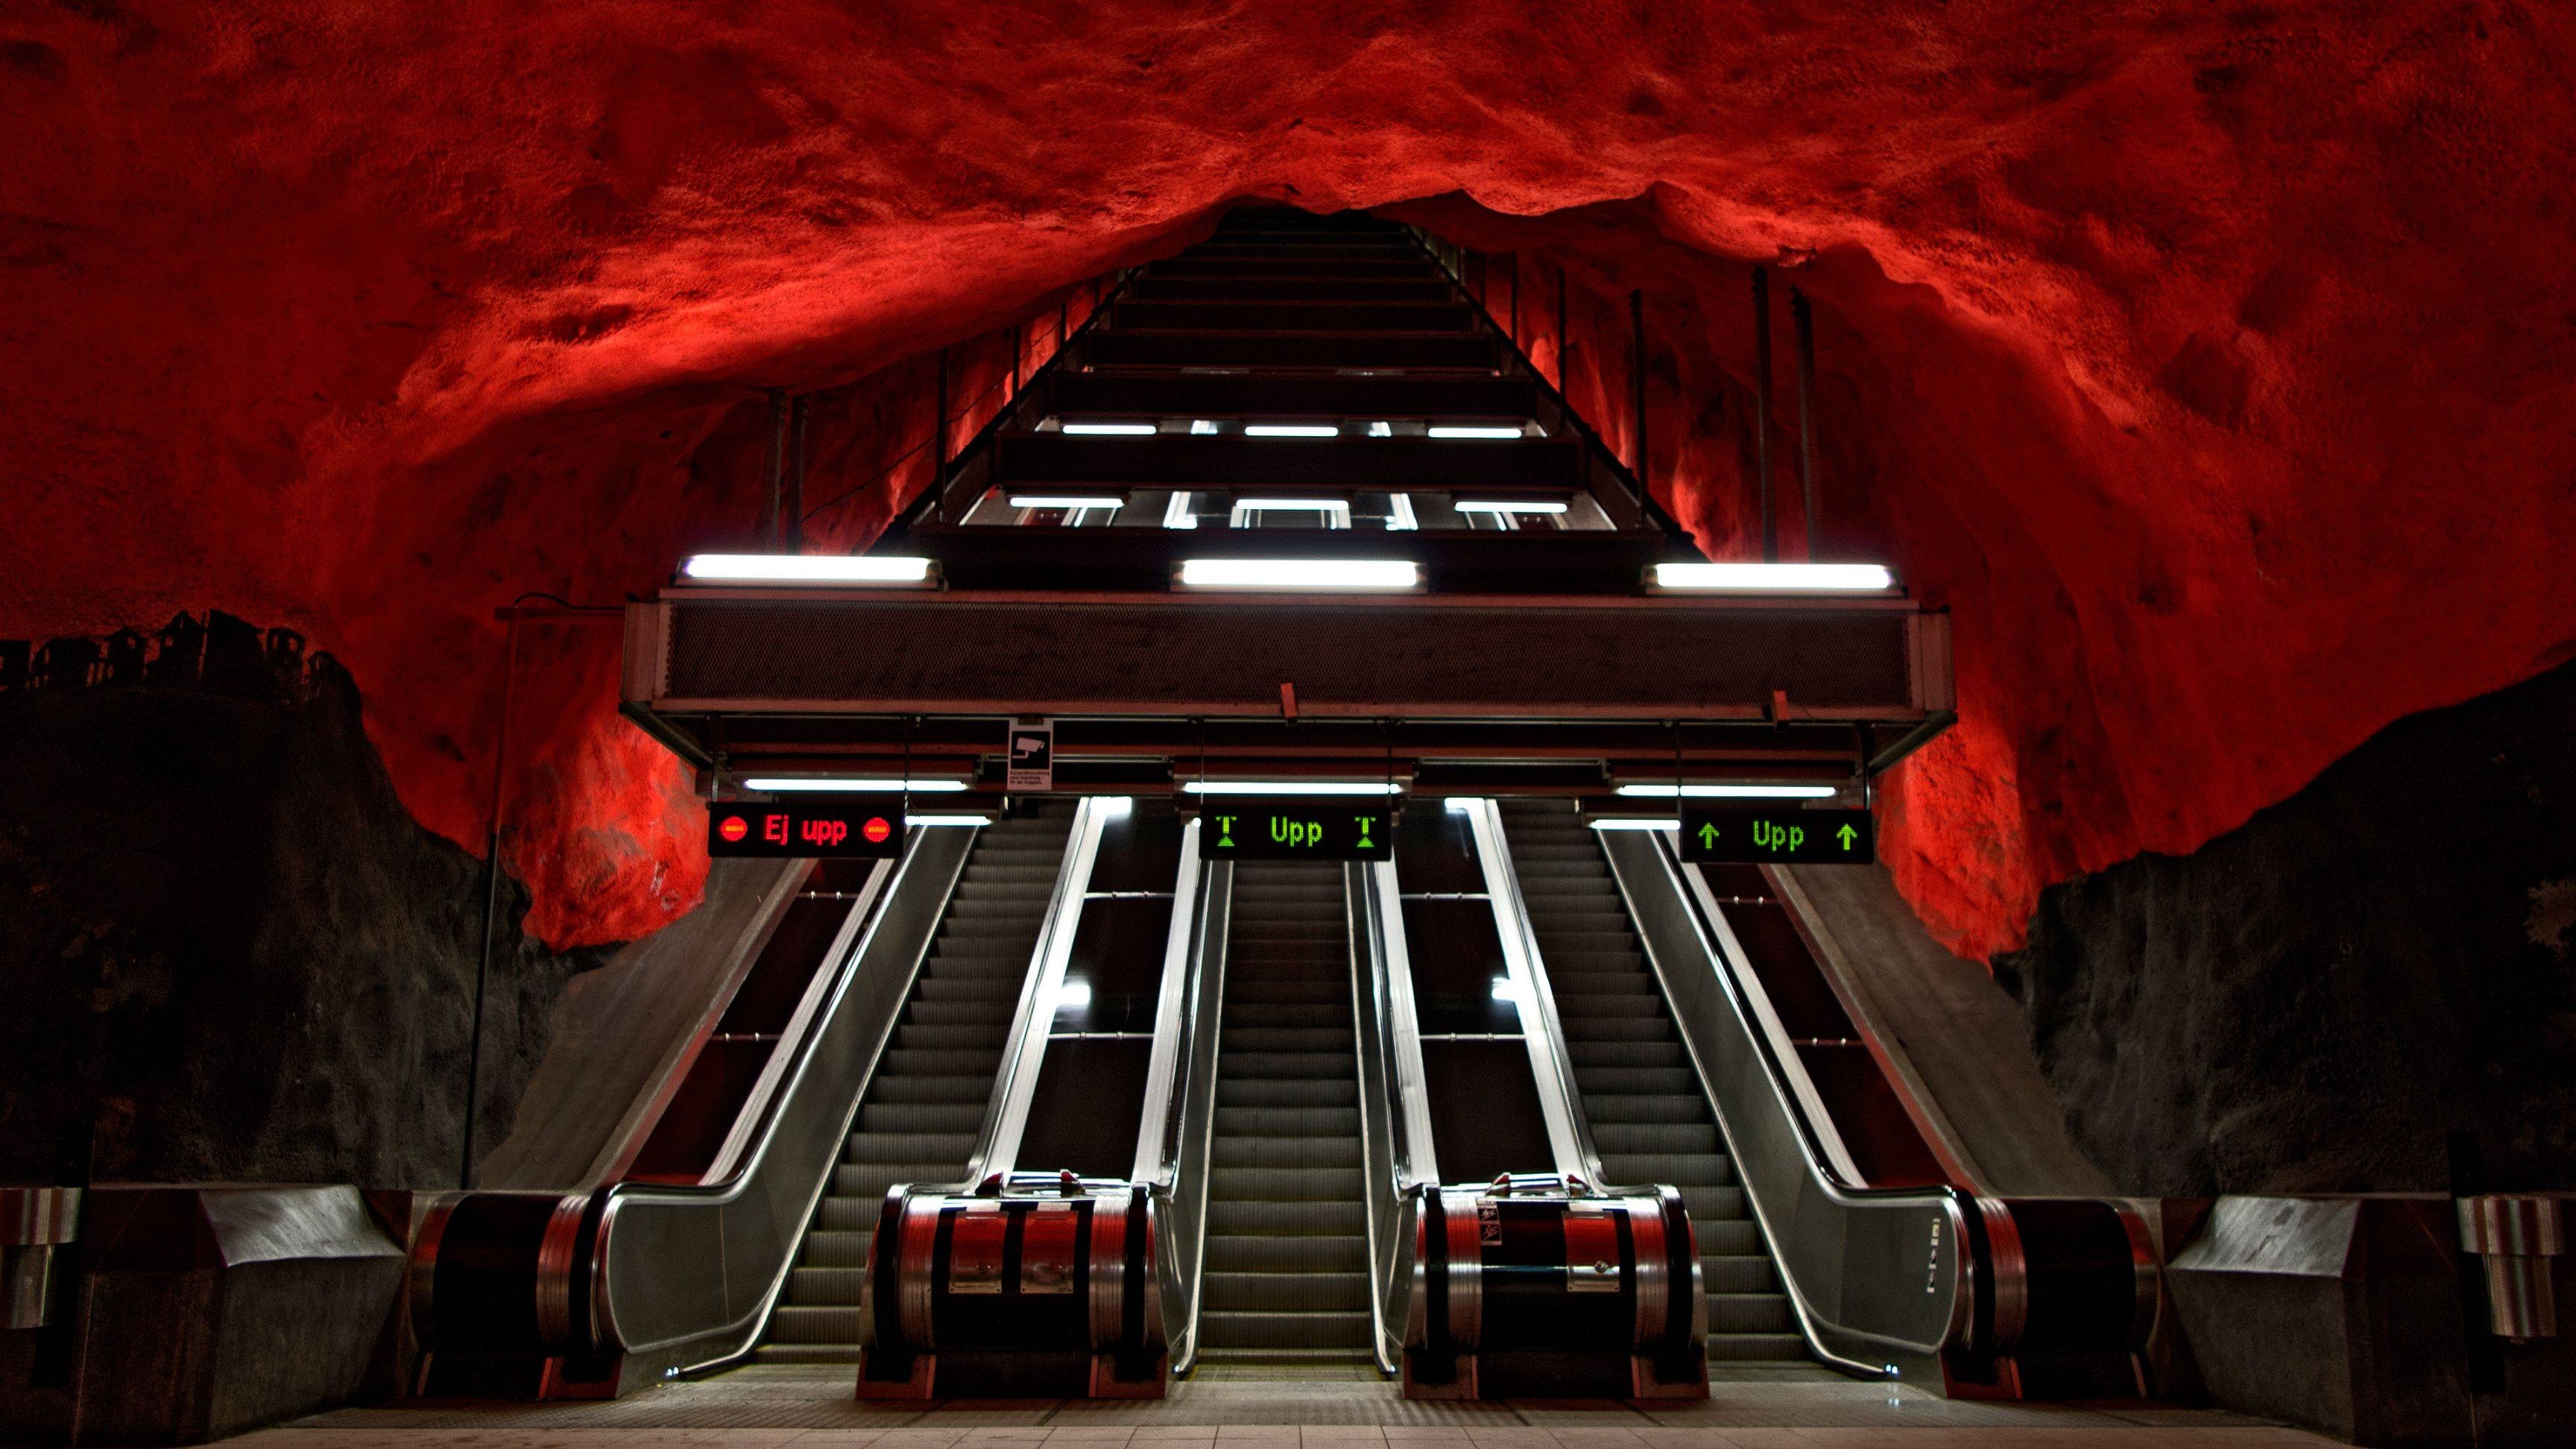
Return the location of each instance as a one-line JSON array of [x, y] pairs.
[[1708, 837], [1846, 834]]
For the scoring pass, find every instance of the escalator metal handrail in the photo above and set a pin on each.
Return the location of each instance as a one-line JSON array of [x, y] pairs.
[[1569, 1129], [683, 1278], [1187, 1150], [1848, 1255], [1395, 1116], [1006, 1117]]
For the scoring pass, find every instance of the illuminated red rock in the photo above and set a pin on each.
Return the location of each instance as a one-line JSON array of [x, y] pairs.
[[2210, 362]]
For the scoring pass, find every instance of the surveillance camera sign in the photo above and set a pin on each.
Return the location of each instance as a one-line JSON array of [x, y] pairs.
[[1032, 756]]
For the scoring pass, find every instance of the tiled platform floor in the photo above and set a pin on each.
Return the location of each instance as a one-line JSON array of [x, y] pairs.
[[1251, 1408]]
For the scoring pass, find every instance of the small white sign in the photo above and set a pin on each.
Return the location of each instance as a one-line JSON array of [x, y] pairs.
[[1032, 756]]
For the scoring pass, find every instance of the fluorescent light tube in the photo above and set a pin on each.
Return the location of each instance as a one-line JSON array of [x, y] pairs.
[[1733, 792], [1618, 823], [1381, 430], [1292, 430], [1063, 500], [1178, 514], [1290, 787], [948, 820], [806, 568], [1504, 991], [1495, 433], [1506, 505], [791, 784], [1790, 578], [1202, 427], [1300, 573], [1312, 505], [1073, 993], [1111, 430], [1400, 517]]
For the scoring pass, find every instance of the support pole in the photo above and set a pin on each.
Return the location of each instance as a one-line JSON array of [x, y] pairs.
[[491, 904], [770, 507], [1561, 347], [792, 532], [1804, 321], [939, 442], [1762, 412], [1637, 382]]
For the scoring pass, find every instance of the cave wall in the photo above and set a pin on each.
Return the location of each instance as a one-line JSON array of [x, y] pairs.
[[2312, 1001], [2209, 362], [231, 953]]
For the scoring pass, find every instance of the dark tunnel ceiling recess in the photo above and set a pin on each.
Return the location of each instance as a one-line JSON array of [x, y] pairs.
[[2187, 356], [1536, 636]]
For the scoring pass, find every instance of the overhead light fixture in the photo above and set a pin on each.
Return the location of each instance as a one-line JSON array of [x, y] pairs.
[[1506, 505], [1201, 427], [1400, 517], [1111, 430], [846, 785], [1504, 991], [1073, 994], [948, 820], [806, 568], [1178, 513], [1732, 792], [1630, 823], [1300, 573], [1116, 807], [1292, 430], [1291, 787], [1381, 430], [1496, 434], [1072, 501], [1771, 578]]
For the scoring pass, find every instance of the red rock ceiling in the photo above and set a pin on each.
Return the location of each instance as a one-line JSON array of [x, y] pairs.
[[2212, 362]]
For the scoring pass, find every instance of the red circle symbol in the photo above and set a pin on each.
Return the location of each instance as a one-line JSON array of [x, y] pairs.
[[876, 830], [733, 828]]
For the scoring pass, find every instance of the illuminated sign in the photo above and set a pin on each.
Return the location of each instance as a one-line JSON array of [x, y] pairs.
[[866, 826], [1296, 829], [1779, 837]]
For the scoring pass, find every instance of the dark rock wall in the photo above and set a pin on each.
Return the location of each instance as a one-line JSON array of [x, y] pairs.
[[229, 953], [2312, 1001]]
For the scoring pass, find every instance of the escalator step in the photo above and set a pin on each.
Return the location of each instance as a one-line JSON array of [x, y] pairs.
[[1292, 1292], [1278, 1154], [1301, 1253], [1306, 1092], [1249, 1217], [1343, 1331]]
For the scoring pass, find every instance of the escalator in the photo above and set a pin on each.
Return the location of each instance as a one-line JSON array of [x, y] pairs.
[[1286, 1267], [1649, 1119], [919, 1120]]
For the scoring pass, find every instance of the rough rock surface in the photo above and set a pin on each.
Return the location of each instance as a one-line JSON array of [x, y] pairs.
[[231, 949], [2210, 361], [2312, 1001]]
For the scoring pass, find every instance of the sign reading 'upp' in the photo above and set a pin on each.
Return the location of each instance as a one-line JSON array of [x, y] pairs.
[[1295, 829]]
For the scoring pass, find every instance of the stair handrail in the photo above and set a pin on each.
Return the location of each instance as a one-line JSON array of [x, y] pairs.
[[1569, 1128], [1849, 1256], [1006, 1115], [1396, 1147], [1184, 1150], [682, 1278]]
